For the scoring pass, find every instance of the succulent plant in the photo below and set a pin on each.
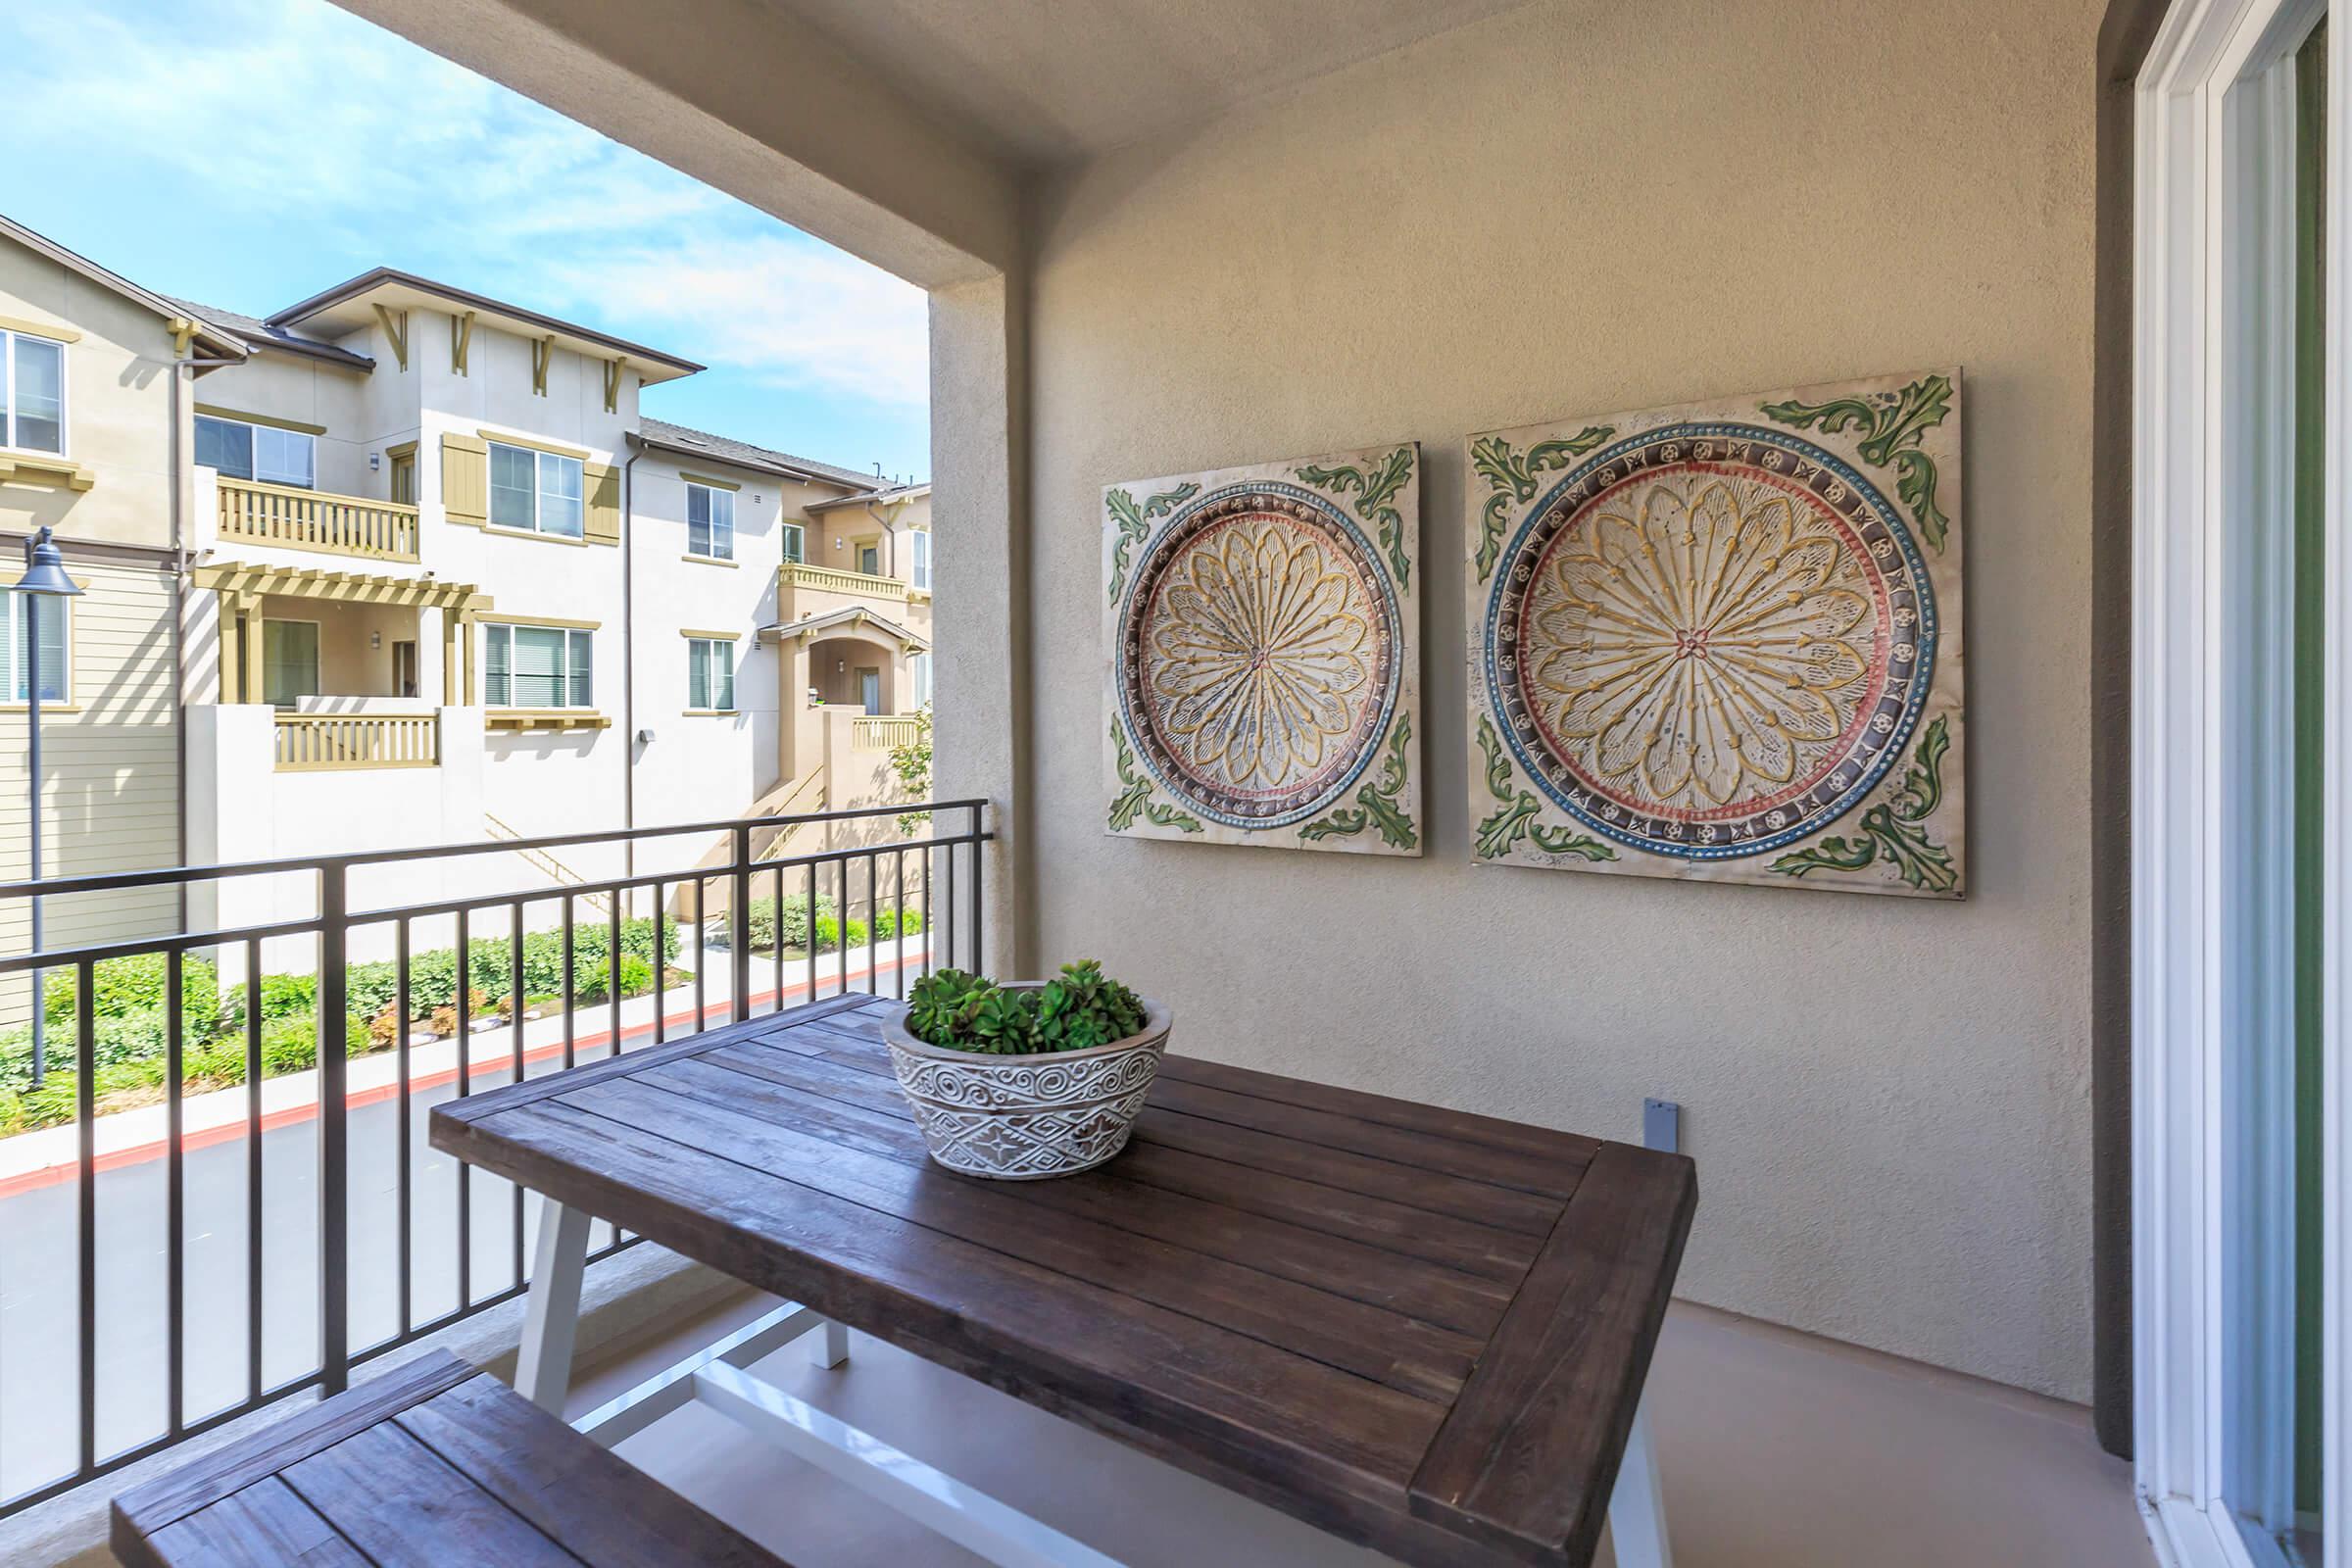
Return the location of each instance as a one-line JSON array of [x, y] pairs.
[[1079, 1009]]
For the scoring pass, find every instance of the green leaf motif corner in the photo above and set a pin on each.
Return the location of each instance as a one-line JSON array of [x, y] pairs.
[[1511, 476], [1894, 424], [1134, 523], [1514, 818], [1893, 829], [1373, 490], [1376, 804], [1135, 795]]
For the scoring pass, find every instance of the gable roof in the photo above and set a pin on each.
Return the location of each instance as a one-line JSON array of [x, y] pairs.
[[688, 442], [169, 309], [345, 304], [261, 334], [896, 493], [854, 617]]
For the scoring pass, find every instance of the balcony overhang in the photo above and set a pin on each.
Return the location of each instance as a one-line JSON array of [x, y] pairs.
[[341, 587], [855, 618]]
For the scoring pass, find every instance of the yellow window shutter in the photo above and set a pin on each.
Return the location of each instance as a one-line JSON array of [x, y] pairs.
[[466, 478], [603, 504]]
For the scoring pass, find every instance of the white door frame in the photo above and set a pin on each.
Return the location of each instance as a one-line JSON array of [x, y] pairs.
[[2213, 833]]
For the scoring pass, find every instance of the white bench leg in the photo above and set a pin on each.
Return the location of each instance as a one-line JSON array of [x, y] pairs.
[[1638, 1508], [543, 1368], [829, 1346]]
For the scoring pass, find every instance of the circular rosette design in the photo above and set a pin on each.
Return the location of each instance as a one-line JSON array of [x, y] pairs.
[[1259, 655], [1710, 640]]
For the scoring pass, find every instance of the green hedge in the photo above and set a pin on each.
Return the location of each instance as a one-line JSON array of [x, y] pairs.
[[791, 927], [128, 1001]]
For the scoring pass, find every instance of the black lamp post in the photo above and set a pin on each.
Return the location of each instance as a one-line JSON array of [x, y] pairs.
[[44, 578]]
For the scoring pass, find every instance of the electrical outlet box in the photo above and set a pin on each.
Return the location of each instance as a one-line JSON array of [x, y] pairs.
[[1662, 1125]]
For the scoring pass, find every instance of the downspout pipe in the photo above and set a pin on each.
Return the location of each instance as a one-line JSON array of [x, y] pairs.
[[628, 654], [182, 474]]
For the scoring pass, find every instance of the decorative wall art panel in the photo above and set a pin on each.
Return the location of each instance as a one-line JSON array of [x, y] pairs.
[[1722, 641], [1264, 631]]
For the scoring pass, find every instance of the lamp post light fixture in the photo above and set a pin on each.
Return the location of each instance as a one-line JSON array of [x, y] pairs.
[[44, 578]]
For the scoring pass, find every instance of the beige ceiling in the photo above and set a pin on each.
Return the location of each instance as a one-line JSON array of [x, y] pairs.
[[1045, 81]]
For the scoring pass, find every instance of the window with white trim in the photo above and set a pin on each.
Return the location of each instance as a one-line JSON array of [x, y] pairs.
[[919, 575], [56, 635], [537, 666], [33, 393], [537, 492], [241, 450], [795, 544], [918, 677], [709, 521], [710, 674]]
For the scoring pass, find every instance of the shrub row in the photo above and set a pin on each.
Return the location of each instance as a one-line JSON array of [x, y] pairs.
[[788, 925]]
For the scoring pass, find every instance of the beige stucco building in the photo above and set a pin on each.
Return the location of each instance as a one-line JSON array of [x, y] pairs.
[[404, 566]]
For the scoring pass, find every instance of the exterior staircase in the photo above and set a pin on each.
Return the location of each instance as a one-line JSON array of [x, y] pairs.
[[546, 865]]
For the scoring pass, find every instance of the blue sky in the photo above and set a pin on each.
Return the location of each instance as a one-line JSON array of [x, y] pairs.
[[250, 153]]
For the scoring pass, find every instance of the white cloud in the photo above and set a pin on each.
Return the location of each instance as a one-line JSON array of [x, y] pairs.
[[780, 306], [295, 111]]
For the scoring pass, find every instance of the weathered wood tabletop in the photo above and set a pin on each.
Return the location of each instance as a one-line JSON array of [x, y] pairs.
[[1422, 1330]]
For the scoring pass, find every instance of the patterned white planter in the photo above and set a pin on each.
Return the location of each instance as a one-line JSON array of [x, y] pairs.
[[1024, 1118]]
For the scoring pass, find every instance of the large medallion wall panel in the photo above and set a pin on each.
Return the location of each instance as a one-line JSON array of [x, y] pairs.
[[1722, 641], [1264, 636]]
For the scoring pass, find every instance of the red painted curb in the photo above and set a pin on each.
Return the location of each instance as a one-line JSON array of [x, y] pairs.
[[139, 1153]]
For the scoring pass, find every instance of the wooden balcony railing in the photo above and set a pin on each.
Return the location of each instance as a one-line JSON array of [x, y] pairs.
[[885, 732], [825, 579], [314, 519], [316, 742]]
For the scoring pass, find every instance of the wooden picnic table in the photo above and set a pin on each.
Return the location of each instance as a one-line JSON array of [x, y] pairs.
[[1422, 1330]]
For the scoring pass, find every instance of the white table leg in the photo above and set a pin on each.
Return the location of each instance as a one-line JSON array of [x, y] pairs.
[[829, 1346], [543, 1369], [1638, 1508]]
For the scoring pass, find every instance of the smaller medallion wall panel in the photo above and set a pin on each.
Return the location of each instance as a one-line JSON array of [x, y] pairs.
[[1722, 641], [1262, 627]]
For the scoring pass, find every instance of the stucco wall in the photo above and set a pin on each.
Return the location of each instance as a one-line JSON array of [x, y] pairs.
[[1583, 208]]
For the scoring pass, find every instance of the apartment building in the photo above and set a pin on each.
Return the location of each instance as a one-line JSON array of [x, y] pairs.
[[439, 581], [96, 380]]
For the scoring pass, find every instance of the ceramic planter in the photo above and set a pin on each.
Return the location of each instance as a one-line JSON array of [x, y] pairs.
[[1024, 1118]]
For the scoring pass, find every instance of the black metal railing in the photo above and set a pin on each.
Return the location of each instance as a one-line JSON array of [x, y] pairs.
[[909, 884]]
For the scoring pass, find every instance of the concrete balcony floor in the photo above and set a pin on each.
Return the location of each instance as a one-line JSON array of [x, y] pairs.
[[1777, 1450]]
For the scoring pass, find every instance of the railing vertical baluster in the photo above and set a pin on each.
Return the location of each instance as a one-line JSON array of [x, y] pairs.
[[922, 864], [841, 922], [948, 888], [464, 1002], [253, 1168], [979, 916], [701, 955], [660, 964], [739, 917], [811, 926], [335, 1171], [570, 990], [873, 924], [898, 965], [775, 940], [175, 1194], [613, 962], [514, 1018], [401, 1129], [85, 1114]]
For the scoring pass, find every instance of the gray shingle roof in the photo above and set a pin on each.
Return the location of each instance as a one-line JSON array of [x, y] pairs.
[[726, 449], [261, 334]]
